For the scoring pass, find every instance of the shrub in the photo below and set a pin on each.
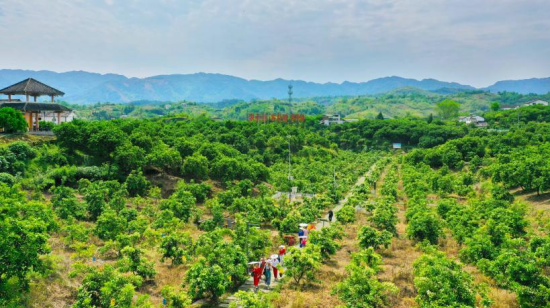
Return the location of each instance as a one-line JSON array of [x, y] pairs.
[[7, 178], [181, 203], [442, 283], [384, 218], [22, 151], [246, 299], [446, 205], [12, 120], [109, 225], [24, 230], [133, 261], [425, 226], [46, 125], [289, 225], [137, 184], [196, 167], [199, 191], [176, 246], [303, 262], [66, 204], [325, 240], [175, 298], [478, 247], [102, 288], [203, 280], [370, 237], [52, 156], [346, 214], [76, 232], [362, 288]]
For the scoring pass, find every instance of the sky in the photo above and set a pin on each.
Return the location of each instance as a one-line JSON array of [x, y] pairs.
[[475, 42]]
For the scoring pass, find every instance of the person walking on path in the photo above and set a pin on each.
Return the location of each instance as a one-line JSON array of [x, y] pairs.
[[267, 273], [282, 252], [330, 215], [275, 263], [306, 232], [303, 242], [257, 273]]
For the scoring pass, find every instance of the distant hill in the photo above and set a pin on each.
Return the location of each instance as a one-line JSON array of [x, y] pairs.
[[84, 87], [525, 86]]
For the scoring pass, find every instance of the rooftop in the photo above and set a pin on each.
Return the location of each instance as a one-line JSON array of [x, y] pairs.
[[31, 87], [34, 106]]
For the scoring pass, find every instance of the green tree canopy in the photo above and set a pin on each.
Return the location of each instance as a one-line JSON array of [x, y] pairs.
[[24, 230], [12, 120], [447, 109]]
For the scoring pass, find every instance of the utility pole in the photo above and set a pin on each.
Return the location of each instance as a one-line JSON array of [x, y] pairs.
[[289, 161]]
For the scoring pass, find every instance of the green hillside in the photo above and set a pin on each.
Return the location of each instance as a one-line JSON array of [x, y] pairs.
[[399, 103]]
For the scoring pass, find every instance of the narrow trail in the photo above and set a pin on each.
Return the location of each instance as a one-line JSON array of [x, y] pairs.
[[249, 283], [398, 259]]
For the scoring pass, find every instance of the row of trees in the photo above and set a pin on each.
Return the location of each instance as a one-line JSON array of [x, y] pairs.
[[439, 281]]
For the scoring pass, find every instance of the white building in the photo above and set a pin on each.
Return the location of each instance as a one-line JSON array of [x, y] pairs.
[[536, 102], [475, 119], [329, 119]]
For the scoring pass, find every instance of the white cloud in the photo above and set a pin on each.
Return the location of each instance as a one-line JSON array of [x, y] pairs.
[[474, 42]]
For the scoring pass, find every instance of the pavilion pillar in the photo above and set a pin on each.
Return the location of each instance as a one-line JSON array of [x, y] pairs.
[[28, 117], [58, 116], [52, 98], [35, 98], [37, 124], [9, 97], [27, 97]]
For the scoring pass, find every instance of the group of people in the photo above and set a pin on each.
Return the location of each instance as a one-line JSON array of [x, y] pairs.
[[266, 266], [303, 234], [275, 263]]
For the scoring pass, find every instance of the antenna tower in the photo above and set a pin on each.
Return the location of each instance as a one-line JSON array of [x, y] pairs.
[[290, 93]]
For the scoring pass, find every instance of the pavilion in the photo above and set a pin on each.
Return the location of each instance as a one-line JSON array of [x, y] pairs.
[[34, 111]]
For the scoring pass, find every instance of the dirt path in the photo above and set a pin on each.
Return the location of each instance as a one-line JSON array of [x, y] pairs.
[[343, 202], [399, 258]]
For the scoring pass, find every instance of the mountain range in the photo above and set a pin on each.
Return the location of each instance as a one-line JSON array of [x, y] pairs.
[[85, 87]]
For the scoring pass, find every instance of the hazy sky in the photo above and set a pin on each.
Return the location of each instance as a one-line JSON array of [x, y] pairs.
[[475, 42]]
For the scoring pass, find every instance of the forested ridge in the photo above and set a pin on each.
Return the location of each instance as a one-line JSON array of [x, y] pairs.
[[399, 103], [152, 212]]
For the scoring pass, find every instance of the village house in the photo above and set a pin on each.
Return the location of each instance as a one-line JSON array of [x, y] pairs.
[[34, 111], [535, 102], [475, 119], [329, 119], [530, 103]]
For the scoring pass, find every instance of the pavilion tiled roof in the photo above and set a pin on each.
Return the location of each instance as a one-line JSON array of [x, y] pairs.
[[23, 106], [31, 87]]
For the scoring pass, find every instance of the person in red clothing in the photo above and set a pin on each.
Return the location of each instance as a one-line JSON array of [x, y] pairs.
[[257, 271], [282, 251]]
